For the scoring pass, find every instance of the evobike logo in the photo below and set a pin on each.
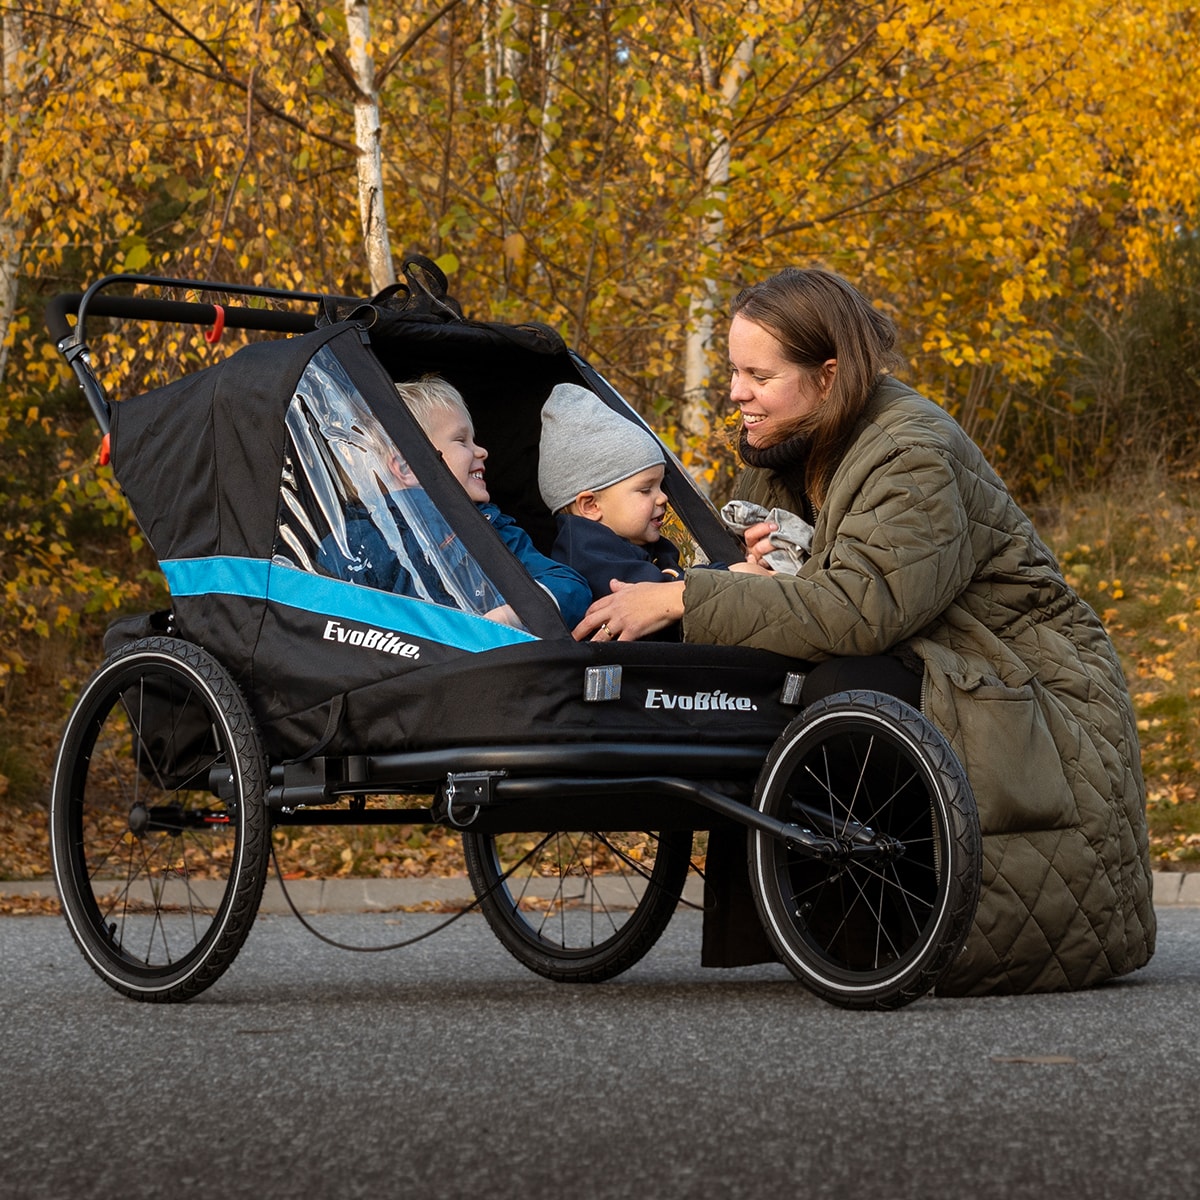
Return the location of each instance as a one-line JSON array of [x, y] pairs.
[[370, 639], [700, 701]]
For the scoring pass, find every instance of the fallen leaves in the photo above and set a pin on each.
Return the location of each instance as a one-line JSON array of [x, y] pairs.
[[1131, 552], [35, 905], [24, 843]]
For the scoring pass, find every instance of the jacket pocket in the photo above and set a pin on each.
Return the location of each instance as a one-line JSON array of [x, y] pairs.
[[1011, 760]]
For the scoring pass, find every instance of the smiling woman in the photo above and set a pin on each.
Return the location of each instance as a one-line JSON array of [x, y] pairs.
[[926, 581], [775, 395]]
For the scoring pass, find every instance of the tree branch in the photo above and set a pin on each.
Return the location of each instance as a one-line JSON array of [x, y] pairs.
[[339, 60], [410, 41], [223, 75]]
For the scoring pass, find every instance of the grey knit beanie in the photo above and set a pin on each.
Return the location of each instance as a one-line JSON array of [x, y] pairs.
[[587, 446]]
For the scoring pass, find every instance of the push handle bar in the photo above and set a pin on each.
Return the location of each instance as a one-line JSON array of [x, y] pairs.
[[71, 344], [181, 312]]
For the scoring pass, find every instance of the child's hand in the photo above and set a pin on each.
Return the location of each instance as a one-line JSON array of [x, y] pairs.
[[505, 615], [750, 568]]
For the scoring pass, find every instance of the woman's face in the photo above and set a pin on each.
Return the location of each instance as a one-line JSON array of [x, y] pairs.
[[772, 392]]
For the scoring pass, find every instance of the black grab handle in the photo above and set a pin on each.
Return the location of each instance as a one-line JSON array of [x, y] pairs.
[[70, 339], [182, 312], [148, 308]]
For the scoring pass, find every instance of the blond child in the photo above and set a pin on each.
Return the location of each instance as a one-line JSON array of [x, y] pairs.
[[441, 412]]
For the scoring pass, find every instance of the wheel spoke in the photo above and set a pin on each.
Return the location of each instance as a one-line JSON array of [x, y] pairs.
[[877, 912], [899, 889], [847, 807]]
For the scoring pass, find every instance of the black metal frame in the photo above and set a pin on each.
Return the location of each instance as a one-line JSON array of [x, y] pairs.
[[72, 344], [506, 781]]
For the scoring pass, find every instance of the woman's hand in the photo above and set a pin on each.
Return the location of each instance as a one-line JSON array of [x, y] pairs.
[[631, 611], [757, 544]]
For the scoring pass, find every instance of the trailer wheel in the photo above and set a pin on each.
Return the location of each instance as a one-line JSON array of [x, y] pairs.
[[877, 924], [158, 826], [578, 907]]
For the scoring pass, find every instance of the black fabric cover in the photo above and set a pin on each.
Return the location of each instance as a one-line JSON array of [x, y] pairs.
[[201, 461], [535, 694]]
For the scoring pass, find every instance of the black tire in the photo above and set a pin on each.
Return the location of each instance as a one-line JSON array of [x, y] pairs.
[[875, 930], [578, 907], [158, 825]]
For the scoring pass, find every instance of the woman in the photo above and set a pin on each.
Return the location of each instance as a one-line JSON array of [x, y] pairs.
[[926, 580]]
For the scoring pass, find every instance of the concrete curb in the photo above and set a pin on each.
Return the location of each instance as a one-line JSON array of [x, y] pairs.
[[352, 895], [1172, 889], [1180, 888]]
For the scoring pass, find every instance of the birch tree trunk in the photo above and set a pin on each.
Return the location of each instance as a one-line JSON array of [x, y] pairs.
[[12, 84], [695, 418], [368, 138], [503, 62]]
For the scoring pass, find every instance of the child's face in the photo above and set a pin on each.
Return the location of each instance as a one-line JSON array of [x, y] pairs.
[[452, 435], [635, 507]]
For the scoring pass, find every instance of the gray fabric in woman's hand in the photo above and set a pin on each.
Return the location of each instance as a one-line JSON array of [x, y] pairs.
[[792, 540]]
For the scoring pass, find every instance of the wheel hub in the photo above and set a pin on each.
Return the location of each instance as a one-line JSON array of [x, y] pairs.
[[880, 846]]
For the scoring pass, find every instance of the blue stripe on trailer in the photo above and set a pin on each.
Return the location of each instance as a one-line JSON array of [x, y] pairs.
[[218, 576], [260, 579]]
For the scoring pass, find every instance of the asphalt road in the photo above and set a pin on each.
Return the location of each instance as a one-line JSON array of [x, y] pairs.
[[448, 1070]]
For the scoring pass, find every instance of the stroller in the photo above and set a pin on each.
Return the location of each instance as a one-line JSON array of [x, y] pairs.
[[327, 661]]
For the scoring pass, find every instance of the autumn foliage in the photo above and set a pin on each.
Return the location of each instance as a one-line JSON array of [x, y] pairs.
[[1001, 176]]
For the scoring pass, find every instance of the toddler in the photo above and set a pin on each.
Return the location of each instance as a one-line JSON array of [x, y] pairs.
[[601, 475]]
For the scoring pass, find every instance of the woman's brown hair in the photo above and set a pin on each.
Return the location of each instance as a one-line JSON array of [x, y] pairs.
[[817, 315]]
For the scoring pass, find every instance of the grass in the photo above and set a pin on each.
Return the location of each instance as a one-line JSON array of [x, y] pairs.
[[1133, 553]]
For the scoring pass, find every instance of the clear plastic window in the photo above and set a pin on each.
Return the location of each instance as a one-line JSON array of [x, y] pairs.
[[351, 508]]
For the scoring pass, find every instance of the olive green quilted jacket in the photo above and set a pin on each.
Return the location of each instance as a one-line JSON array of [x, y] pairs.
[[919, 548]]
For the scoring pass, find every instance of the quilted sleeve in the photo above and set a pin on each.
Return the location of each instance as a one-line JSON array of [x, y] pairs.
[[894, 556]]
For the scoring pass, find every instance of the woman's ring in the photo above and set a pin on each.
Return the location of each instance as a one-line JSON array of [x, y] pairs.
[[609, 632]]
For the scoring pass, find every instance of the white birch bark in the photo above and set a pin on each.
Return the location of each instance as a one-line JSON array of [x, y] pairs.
[[501, 62], [549, 94], [12, 87], [695, 417], [368, 137]]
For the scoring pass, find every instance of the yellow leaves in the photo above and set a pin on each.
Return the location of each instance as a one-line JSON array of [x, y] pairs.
[[137, 256], [946, 165], [515, 246]]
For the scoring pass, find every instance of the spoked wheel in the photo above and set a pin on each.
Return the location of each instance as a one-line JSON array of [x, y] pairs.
[[875, 924], [578, 907], [158, 826]]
